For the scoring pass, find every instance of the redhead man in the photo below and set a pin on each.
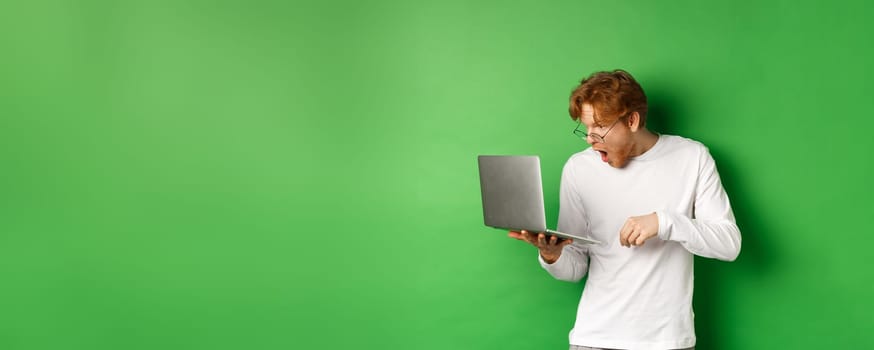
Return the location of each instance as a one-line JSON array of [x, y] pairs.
[[654, 201]]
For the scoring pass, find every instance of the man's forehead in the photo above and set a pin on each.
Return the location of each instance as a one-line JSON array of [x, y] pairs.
[[587, 114]]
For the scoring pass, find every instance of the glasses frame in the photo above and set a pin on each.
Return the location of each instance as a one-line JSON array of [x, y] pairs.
[[598, 138]]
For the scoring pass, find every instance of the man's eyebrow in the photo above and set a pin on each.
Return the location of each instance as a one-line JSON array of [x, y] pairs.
[[595, 122]]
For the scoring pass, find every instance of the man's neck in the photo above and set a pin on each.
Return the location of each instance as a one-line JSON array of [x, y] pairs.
[[644, 140]]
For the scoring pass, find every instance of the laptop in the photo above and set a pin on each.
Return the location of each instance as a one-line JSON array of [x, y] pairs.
[[512, 194]]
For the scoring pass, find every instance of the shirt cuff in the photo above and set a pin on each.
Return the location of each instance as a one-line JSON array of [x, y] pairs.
[[666, 225], [557, 265]]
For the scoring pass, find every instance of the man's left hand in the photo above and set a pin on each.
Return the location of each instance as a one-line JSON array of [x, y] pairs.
[[638, 229]]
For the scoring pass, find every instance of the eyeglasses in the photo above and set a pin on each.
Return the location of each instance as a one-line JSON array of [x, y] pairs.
[[595, 137]]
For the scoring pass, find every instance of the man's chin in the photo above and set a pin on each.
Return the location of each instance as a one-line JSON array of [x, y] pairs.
[[618, 163]]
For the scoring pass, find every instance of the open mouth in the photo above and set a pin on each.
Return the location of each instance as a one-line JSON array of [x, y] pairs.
[[603, 156]]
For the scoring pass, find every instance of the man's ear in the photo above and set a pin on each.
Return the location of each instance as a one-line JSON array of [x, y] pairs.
[[634, 121]]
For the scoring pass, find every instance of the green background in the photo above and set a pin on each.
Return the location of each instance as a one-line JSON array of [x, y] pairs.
[[273, 175]]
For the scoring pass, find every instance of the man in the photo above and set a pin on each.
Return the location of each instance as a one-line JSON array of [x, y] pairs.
[[654, 201]]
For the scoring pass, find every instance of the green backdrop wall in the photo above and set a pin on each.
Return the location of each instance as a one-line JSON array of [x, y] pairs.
[[274, 175]]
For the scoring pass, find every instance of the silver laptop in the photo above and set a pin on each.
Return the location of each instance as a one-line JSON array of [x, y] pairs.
[[512, 195]]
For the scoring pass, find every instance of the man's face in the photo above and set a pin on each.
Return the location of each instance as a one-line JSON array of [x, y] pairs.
[[617, 145]]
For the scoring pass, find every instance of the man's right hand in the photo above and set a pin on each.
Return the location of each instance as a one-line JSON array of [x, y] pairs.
[[550, 248]]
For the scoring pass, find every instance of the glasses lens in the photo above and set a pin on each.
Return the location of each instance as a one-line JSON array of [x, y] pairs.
[[597, 138]]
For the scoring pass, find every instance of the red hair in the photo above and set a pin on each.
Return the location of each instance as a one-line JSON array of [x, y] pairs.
[[612, 94]]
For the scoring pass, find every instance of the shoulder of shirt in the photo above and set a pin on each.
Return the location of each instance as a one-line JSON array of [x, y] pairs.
[[576, 160], [675, 143], [581, 156]]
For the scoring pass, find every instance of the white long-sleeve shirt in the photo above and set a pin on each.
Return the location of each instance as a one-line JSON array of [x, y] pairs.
[[641, 297]]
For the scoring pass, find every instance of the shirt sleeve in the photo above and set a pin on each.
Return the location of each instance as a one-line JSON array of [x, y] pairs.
[[711, 231], [573, 263]]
